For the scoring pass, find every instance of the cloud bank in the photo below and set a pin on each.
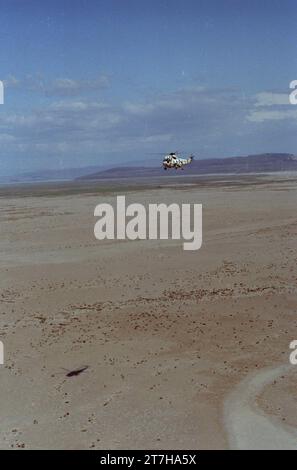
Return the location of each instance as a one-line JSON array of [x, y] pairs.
[[79, 129]]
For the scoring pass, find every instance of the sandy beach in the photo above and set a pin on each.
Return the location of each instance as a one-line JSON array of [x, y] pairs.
[[183, 350]]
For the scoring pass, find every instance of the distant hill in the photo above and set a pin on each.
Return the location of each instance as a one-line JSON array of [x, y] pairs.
[[55, 175], [64, 174], [261, 163]]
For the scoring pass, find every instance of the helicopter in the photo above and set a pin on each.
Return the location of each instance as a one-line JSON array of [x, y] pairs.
[[172, 160]]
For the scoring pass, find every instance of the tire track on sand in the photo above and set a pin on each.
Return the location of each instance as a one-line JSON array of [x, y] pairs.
[[247, 425]]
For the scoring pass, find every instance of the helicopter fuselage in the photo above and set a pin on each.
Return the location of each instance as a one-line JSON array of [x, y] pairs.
[[172, 161]]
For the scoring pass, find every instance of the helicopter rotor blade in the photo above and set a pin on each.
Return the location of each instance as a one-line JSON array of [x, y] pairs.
[[178, 152]]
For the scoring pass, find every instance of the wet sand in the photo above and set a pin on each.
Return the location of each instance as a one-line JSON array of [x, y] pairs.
[[171, 338]]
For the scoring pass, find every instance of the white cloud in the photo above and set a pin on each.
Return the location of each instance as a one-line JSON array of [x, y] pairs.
[[272, 115], [271, 99], [63, 86]]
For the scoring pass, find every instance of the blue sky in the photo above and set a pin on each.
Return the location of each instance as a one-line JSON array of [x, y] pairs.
[[91, 82]]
